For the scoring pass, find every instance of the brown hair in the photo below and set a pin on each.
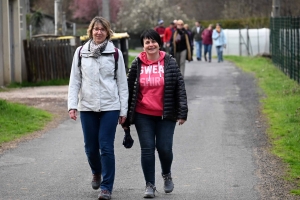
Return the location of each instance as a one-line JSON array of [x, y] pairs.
[[103, 22]]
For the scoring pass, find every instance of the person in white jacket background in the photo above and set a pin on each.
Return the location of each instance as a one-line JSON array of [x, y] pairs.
[[100, 94], [219, 41]]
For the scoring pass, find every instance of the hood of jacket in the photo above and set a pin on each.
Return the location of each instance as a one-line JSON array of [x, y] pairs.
[[145, 61]]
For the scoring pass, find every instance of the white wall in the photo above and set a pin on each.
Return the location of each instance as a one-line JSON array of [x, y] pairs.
[[258, 42]]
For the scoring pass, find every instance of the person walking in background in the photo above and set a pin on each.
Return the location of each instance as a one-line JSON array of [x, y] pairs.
[[186, 27], [175, 25], [219, 40], [197, 35], [102, 101], [181, 46], [167, 37], [171, 51], [160, 29], [207, 42], [157, 99]]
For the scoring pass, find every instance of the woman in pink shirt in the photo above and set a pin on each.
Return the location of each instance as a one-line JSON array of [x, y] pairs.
[[157, 100]]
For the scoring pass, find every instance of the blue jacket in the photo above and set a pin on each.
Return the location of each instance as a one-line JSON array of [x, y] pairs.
[[219, 38]]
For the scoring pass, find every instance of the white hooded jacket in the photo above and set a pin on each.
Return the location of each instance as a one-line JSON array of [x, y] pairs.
[[92, 86]]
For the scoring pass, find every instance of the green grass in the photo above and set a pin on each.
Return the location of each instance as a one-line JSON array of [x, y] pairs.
[[17, 120], [130, 59], [134, 50], [39, 83], [281, 106]]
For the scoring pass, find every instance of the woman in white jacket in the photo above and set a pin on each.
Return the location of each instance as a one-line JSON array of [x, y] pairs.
[[99, 91]]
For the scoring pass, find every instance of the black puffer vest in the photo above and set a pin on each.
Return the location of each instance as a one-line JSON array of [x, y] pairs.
[[175, 100]]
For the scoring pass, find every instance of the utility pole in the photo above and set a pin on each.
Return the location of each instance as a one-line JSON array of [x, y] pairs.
[[57, 17], [105, 9], [275, 8]]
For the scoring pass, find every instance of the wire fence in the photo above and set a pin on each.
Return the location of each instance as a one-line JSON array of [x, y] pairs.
[[285, 45]]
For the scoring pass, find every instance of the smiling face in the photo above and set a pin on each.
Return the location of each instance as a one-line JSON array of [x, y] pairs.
[[151, 47], [99, 33], [180, 24]]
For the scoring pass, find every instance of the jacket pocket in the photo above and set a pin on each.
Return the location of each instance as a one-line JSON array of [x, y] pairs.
[[107, 66], [86, 63]]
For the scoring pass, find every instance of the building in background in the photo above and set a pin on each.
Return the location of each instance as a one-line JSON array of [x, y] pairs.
[[12, 33]]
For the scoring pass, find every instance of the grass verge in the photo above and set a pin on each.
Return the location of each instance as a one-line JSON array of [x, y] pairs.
[[130, 59], [17, 120], [135, 50], [40, 83], [281, 106]]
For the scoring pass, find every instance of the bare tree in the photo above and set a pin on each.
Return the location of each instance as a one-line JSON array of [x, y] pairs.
[[146, 14]]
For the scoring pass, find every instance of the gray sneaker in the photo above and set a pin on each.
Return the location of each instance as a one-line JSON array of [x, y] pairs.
[[104, 194], [149, 191], [168, 183]]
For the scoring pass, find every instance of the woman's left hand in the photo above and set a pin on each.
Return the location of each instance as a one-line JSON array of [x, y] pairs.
[[122, 119], [180, 121]]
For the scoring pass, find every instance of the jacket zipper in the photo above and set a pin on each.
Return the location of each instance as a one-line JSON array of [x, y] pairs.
[[165, 66], [137, 88]]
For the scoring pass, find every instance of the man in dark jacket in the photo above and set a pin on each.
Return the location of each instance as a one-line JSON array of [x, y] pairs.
[[197, 32], [181, 47]]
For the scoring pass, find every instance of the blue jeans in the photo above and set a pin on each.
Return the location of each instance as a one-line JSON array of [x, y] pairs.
[[207, 49], [99, 129], [198, 49], [220, 53], [155, 132]]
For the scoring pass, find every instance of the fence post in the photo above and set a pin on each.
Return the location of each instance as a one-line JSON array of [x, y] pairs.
[[74, 29], [275, 8], [240, 44]]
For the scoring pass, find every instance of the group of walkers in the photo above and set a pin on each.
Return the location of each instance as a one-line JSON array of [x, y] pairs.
[[179, 41], [151, 96]]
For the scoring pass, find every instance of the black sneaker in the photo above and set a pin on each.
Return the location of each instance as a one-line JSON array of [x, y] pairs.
[[96, 181], [168, 183]]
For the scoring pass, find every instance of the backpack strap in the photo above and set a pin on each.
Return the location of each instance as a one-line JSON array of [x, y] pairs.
[[79, 60], [116, 56]]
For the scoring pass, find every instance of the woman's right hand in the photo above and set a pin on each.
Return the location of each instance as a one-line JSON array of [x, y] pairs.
[[73, 114]]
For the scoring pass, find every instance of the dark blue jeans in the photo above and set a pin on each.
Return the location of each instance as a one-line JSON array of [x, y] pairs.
[[155, 132], [99, 129], [207, 49], [198, 49]]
